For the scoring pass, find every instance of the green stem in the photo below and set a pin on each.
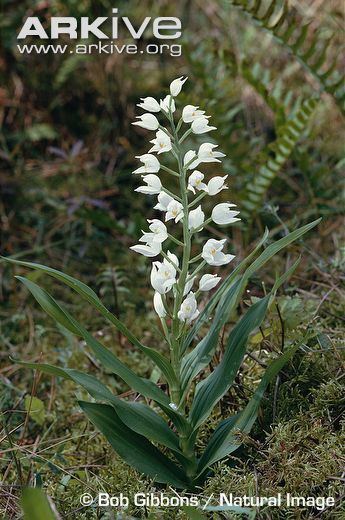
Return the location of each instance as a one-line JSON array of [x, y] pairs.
[[168, 170]]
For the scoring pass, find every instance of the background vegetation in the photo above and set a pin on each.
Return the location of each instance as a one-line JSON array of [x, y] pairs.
[[274, 89]]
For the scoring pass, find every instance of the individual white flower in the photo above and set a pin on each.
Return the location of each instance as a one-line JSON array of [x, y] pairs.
[[216, 184], [188, 158], [149, 104], [163, 276], [147, 121], [189, 310], [150, 162], [162, 143], [158, 232], [188, 285], [150, 250], [168, 104], [201, 126], [206, 153], [173, 259], [195, 182], [196, 218], [208, 282], [163, 201], [190, 113], [212, 253], [176, 86], [174, 211], [153, 187], [222, 214], [158, 305]]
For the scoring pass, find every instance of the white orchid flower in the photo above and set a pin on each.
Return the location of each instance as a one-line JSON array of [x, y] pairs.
[[190, 113], [147, 121], [149, 104], [154, 185], [158, 305], [196, 218], [201, 126], [163, 201], [188, 159], [150, 162], [158, 233], [162, 143], [174, 211], [195, 182], [206, 153], [189, 309], [163, 276], [168, 104], [208, 282], [222, 214], [216, 185], [176, 86], [212, 253], [150, 250]]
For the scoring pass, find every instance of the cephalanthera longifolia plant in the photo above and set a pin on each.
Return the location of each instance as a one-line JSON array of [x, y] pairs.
[[160, 440]]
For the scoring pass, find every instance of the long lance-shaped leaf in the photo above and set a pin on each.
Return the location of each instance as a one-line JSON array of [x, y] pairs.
[[137, 416], [201, 356], [211, 390], [264, 257], [104, 355], [210, 306], [89, 295], [132, 447], [224, 439], [36, 505]]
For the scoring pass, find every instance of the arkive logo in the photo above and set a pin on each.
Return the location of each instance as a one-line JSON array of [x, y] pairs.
[[163, 28]]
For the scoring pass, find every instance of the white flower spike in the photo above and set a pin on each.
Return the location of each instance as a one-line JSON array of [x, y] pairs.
[[223, 215], [147, 121], [149, 104], [150, 162], [189, 309], [162, 143], [213, 255], [154, 185], [176, 86], [201, 126], [208, 282]]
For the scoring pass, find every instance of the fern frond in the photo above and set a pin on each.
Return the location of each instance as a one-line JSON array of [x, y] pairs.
[[282, 148], [287, 30]]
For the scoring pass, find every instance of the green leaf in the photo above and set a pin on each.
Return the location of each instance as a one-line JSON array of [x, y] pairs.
[[89, 295], [224, 440], [105, 356], [210, 390], [202, 354], [213, 301], [36, 409], [36, 506], [133, 448], [137, 416]]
